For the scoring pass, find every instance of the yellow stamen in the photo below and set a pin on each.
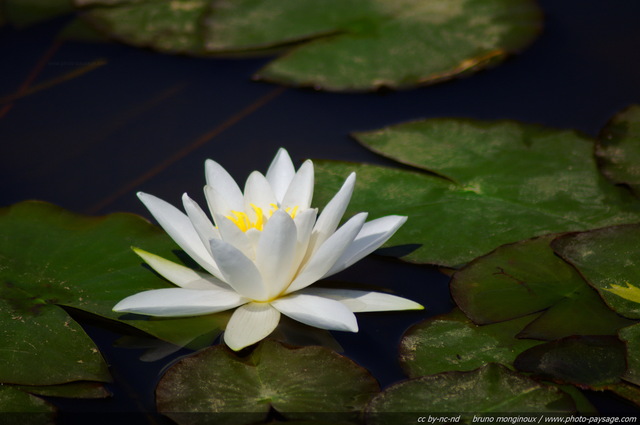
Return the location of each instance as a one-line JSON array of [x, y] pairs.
[[241, 219]]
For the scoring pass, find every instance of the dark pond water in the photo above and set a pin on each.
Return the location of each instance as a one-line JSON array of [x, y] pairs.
[[145, 121]]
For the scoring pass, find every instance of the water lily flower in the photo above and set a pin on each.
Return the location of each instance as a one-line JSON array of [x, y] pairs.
[[265, 250]]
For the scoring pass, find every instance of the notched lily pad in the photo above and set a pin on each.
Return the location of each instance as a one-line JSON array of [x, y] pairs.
[[527, 277], [609, 259], [479, 185], [51, 258], [299, 383], [585, 361], [367, 44], [452, 342], [618, 149], [489, 391]]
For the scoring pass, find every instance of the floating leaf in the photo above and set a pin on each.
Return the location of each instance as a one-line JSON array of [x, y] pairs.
[[49, 258], [609, 259], [496, 182], [23, 407], [28, 12], [586, 361], [526, 277], [367, 44], [166, 25], [299, 383], [490, 390], [452, 342], [619, 148], [631, 337], [70, 390]]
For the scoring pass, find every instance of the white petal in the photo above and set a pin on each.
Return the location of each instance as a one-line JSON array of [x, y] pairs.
[[300, 190], [361, 301], [179, 227], [325, 257], [231, 233], [315, 311], [275, 253], [373, 234], [180, 275], [238, 271], [304, 222], [200, 221], [332, 213], [280, 173], [180, 302], [258, 192], [222, 191], [249, 324]]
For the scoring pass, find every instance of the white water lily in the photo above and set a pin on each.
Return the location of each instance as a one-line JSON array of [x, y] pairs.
[[266, 248]]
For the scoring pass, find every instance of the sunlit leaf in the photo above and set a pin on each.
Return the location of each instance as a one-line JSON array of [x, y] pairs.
[[526, 277], [494, 183], [366, 44], [299, 383], [166, 25], [609, 259], [586, 361], [50, 258], [452, 342], [488, 391], [619, 148], [28, 12]]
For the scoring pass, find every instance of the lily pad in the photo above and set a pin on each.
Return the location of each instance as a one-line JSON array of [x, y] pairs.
[[489, 391], [307, 383], [367, 44], [609, 259], [585, 361], [166, 25], [526, 277], [70, 390], [23, 13], [17, 404], [618, 149], [631, 337], [452, 342], [51, 258], [479, 185]]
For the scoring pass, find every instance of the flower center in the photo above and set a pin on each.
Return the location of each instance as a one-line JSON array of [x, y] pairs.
[[244, 222]]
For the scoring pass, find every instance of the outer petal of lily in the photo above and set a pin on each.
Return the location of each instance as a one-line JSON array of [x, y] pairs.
[[373, 234], [239, 271], [222, 191], [182, 276], [332, 213], [258, 192], [179, 227], [180, 302], [304, 222], [300, 191], [315, 311], [200, 221], [280, 173], [232, 234], [275, 253], [362, 301], [325, 257], [249, 324]]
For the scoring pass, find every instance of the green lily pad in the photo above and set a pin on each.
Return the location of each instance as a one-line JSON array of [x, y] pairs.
[[609, 259], [526, 277], [50, 258], [299, 383], [631, 337], [22, 13], [479, 185], [586, 361], [452, 342], [367, 44], [492, 390], [70, 390], [618, 149], [166, 25], [22, 406]]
